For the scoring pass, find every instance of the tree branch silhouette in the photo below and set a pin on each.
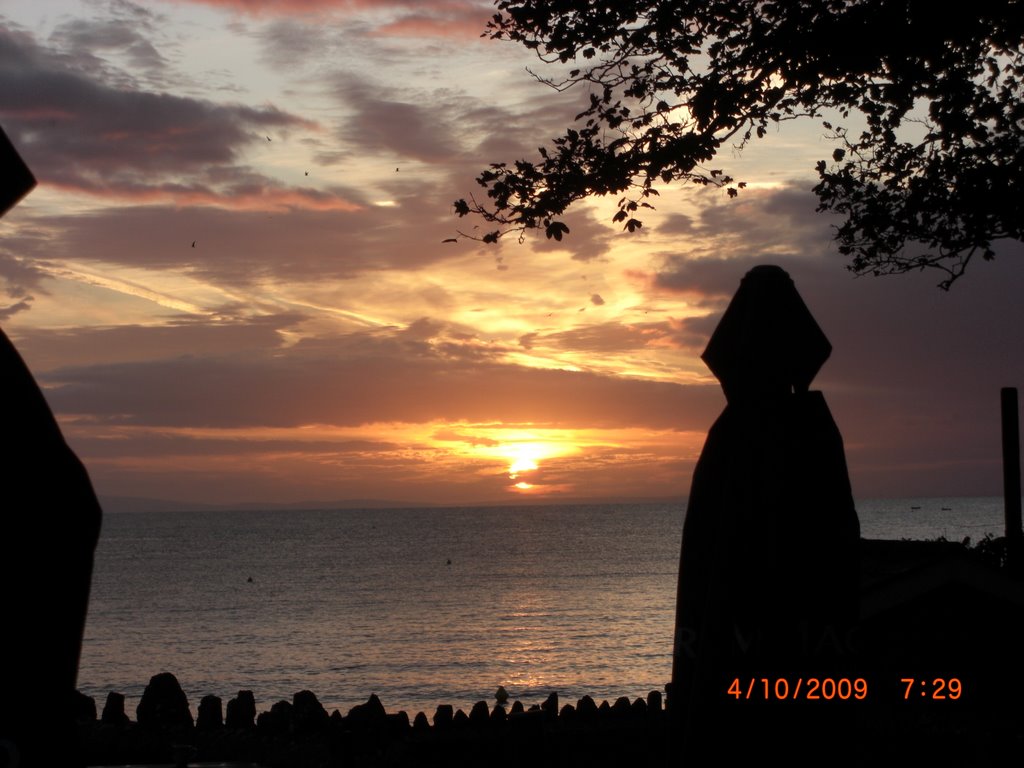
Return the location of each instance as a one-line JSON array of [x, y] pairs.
[[931, 181]]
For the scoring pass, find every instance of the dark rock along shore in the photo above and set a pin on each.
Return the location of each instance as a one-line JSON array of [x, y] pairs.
[[301, 734]]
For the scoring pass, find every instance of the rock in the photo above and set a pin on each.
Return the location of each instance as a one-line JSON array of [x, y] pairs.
[[210, 714], [242, 711], [517, 707], [278, 721], [528, 725], [371, 714], [586, 707], [420, 724], [113, 710], [550, 705], [479, 715], [308, 714], [654, 701], [461, 719], [498, 714], [443, 716], [163, 703], [639, 707], [501, 695], [621, 707], [283, 709]]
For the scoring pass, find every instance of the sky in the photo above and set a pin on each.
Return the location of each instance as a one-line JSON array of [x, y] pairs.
[[232, 284]]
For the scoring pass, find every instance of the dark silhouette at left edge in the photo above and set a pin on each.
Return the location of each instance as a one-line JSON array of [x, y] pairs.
[[51, 523]]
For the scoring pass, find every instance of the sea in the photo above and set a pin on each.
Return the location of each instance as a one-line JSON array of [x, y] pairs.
[[421, 607]]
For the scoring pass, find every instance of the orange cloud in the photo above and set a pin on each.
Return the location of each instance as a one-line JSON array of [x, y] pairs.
[[286, 7]]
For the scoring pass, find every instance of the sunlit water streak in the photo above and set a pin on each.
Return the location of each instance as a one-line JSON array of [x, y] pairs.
[[578, 600]]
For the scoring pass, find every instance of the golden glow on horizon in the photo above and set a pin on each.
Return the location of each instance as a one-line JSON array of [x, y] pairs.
[[496, 442], [465, 458]]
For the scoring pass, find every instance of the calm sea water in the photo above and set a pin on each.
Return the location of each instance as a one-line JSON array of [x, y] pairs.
[[576, 599]]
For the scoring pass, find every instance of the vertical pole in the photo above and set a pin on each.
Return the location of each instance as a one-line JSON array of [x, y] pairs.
[[1011, 481]]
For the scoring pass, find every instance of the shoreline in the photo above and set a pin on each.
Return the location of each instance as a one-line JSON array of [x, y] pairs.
[[301, 734]]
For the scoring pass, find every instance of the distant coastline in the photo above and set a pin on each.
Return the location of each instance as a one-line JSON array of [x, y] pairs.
[[129, 504]]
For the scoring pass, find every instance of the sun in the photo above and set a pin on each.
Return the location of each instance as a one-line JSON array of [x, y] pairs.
[[523, 457], [521, 465], [519, 452]]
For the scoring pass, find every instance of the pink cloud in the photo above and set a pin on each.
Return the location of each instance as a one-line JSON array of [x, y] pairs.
[[426, 18], [281, 7]]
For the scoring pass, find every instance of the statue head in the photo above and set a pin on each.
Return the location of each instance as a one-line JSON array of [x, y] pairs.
[[767, 343]]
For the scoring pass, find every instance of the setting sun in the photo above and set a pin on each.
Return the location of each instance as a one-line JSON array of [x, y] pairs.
[[521, 465], [526, 457]]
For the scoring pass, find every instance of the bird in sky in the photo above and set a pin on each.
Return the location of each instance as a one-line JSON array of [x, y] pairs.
[[307, 173], [268, 138], [193, 243]]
